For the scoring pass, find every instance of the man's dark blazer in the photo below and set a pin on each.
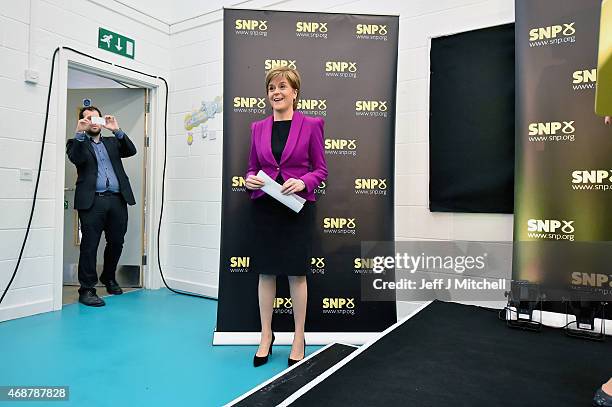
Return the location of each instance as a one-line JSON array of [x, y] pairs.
[[82, 154]]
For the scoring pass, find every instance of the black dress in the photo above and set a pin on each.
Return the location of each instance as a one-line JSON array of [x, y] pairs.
[[281, 239]]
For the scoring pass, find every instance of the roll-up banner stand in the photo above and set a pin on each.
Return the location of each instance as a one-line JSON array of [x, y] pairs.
[[563, 199], [348, 65]]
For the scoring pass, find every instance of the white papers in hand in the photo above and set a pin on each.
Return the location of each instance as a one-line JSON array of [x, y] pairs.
[[273, 188]]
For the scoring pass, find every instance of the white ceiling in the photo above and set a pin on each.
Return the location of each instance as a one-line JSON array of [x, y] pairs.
[[172, 12]]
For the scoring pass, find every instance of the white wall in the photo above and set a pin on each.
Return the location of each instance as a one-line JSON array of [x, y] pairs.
[[193, 217], [30, 30], [192, 221]]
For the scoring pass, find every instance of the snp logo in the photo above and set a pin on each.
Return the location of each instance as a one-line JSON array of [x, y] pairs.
[[362, 266], [550, 229], [340, 144], [238, 184], [321, 189], [310, 29], [249, 102], [338, 303], [313, 105], [371, 32], [371, 186], [540, 129], [318, 262], [340, 66], [341, 69], [282, 305], [372, 108], [592, 180], [281, 302], [371, 29], [550, 225], [339, 225], [239, 264], [584, 79], [552, 35], [317, 265], [552, 131], [249, 105], [341, 147], [252, 27], [591, 279], [260, 25], [275, 63], [585, 76]]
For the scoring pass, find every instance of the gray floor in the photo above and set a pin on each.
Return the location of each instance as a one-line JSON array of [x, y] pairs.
[[71, 293]]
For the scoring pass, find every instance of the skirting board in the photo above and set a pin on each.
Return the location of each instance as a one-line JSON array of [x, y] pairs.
[[25, 310], [286, 338], [190, 287]]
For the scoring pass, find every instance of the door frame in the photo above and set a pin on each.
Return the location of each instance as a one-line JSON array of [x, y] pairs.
[[154, 154]]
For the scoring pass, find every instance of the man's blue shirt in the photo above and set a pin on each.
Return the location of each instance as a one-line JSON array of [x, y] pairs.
[[106, 179]]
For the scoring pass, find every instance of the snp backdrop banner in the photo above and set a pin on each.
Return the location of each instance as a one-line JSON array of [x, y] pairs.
[[348, 65], [563, 206]]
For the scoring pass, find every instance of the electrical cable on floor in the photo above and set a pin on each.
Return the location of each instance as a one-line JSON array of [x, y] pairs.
[[42, 150]]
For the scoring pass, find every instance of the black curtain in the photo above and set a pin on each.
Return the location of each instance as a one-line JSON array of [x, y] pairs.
[[471, 123]]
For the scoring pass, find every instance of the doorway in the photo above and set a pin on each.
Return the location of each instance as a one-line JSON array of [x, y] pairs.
[[130, 105]]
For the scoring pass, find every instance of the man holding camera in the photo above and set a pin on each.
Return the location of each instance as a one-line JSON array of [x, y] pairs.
[[102, 192]]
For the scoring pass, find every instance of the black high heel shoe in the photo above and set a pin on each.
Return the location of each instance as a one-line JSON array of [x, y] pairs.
[[291, 362], [262, 360], [602, 399]]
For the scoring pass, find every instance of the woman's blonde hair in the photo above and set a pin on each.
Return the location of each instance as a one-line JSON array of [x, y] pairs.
[[291, 75]]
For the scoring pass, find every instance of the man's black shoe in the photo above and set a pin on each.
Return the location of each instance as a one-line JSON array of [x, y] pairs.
[[91, 299], [112, 287]]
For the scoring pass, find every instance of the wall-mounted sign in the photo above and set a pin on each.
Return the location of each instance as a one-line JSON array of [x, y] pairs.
[[116, 43]]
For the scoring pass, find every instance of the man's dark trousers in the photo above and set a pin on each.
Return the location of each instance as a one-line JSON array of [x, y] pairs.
[[108, 214]]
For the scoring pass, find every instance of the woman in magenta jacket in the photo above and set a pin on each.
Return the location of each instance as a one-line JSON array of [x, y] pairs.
[[288, 147]]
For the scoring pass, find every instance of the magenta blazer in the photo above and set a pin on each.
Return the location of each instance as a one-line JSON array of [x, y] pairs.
[[303, 157]]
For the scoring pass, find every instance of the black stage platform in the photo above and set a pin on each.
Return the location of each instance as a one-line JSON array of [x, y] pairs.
[[455, 355]]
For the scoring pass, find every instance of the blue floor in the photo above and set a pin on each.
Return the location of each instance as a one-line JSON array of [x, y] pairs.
[[144, 348]]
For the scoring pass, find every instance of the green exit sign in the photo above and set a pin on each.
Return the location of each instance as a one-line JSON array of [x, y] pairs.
[[116, 43]]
